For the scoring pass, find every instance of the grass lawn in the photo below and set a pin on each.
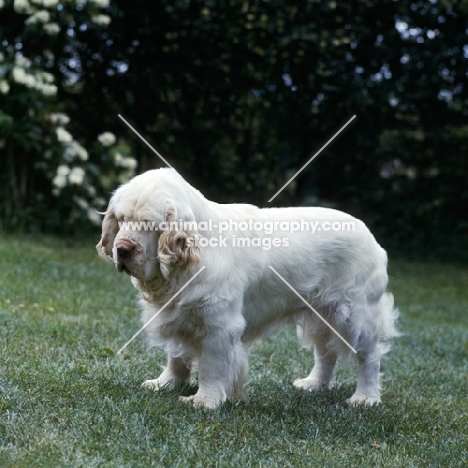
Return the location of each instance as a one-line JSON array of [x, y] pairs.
[[67, 401]]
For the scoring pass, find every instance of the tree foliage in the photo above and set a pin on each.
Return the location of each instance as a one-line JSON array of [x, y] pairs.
[[49, 180], [240, 94]]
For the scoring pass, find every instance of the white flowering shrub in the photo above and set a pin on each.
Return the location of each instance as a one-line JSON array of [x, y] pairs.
[[106, 139], [50, 177]]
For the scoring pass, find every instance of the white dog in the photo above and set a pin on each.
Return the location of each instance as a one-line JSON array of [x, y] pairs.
[[237, 297]]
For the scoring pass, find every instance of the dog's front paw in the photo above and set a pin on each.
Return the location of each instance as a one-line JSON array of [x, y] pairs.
[[158, 384], [359, 399], [309, 384], [201, 401]]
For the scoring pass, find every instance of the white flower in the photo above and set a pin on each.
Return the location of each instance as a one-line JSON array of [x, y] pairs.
[[29, 80], [21, 77], [63, 170], [130, 163], [59, 118], [106, 139], [47, 77], [49, 89], [22, 6], [76, 176], [59, 181], [4, 86], [79, 151], [101, 3], [101, 20], [50, 3], [52, 28], [63, 136], [41, 16], [36, 2], [22, 62], [126, 162]]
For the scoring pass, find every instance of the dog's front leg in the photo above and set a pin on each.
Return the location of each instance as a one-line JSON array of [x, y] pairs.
[[175, 374], [222, 370]]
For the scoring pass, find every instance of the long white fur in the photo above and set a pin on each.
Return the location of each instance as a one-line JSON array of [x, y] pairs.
[[237, 297]]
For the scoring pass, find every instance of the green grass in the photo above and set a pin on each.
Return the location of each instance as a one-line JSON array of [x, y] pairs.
[[67, 401]]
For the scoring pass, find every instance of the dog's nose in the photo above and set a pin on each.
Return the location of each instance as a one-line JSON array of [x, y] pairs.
[[124, 249]]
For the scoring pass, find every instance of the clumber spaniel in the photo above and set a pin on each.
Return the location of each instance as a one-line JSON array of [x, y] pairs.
[[237, 297]]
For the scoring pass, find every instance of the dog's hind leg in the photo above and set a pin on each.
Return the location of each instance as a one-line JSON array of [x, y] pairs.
[[325, 360], [368, 386], [381, 317], [242, 366]]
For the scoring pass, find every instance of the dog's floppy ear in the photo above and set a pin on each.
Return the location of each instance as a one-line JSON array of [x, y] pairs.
[[178, 250], [110, 228]]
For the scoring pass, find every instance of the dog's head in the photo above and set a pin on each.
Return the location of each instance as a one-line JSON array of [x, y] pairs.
[[144, 230]]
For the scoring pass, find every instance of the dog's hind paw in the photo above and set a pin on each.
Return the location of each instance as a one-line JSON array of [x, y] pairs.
[[310, 385], [360, 399]]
